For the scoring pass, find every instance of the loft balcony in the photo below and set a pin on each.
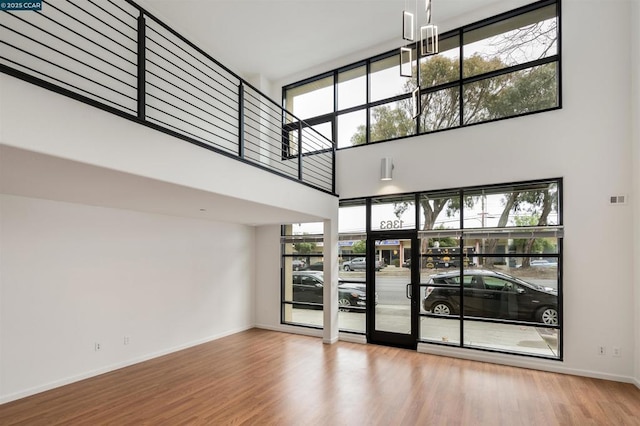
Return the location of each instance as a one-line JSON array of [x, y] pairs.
[[119, 58]]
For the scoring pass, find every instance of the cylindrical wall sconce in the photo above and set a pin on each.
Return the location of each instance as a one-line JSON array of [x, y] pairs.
[[386, 168]]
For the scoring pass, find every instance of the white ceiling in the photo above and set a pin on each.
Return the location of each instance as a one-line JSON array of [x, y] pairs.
[[279, 38]]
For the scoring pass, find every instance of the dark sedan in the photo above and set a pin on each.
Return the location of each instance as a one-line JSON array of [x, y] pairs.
[[307, 287], [491, 294]]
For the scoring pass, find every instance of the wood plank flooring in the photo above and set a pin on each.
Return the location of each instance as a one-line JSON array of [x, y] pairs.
[[265, 377]]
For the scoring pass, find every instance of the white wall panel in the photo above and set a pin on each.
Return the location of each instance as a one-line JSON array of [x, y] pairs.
[[74, 275]]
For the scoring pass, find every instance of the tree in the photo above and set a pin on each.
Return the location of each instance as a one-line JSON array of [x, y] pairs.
[[359, 247], [305, 248]]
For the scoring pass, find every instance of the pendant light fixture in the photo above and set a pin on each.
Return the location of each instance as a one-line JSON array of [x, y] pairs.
[[428, 37]]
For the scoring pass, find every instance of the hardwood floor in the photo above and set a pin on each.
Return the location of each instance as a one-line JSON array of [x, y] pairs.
[[265, 377]]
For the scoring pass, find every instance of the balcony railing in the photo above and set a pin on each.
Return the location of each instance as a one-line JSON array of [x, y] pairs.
[[116, 56]]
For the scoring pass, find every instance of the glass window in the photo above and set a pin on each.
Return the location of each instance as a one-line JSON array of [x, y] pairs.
[[509, 42], [518, 339], [352, 87], [507, 66], [310, 99], [392, 120], [352, 217], [352, 128], [534, 204], [443, 67], [393, 213], [507, 95], [440, 211], [440, 110], [386, 81], [302, 274]]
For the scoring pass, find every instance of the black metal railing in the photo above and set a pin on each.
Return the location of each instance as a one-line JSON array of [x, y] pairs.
[[116, 56]]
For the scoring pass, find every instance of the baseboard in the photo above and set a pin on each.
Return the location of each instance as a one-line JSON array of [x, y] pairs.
[[283, 328], [112, 367], [353, 338], [522, 362]]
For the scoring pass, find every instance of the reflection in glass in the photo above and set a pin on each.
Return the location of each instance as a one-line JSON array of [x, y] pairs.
[[440, 211], [352, 217], [535, 204], [440, 110], [519, 92], [443, 67], [311, 99], [352, 128], [385, 79], [514, 41], [391, 120], [352, 88], [393, 213]]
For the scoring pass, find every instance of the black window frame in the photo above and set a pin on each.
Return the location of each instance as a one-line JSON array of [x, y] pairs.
[[458, 84]]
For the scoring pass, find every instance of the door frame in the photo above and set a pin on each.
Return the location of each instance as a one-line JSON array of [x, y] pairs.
[[401, 340]]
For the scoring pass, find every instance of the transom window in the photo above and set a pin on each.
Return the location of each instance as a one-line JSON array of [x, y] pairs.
[[502, 67]]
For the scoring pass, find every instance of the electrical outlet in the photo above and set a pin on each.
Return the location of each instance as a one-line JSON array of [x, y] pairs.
[[602, 350], [126, 340], [616, 351], [96, 346]]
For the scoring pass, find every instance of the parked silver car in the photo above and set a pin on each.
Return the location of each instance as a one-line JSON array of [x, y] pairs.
[[360, 264]]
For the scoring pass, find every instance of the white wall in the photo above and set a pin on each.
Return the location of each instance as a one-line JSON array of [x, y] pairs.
[[73, 275], [588, 143], [634, 113]]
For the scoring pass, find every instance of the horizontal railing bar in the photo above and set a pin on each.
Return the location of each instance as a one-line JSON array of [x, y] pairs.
[[91, 28], [113, 16], [261, 110], [193, 105], [73, 45], [100, 20], [181, 38], [189, 83], [63, 54], [188, 53], [47, 84], [193, 116], [191, 124], [124, 11], [81, 36], [66, 70], [193, 136], [186, 93], [187, 72]]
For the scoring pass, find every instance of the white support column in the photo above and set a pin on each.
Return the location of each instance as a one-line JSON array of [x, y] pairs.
[[330, 301]]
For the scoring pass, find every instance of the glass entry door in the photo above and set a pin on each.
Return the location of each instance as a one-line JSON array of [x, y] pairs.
[[393, 320]]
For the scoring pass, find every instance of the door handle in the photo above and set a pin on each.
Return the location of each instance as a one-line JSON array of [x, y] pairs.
[[408, 291]]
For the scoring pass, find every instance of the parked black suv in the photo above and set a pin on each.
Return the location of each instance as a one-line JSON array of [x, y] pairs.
[[491, 294], [307, 287]]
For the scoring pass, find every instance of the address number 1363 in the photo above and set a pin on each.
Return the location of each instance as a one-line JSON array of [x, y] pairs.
[[391, 224]]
